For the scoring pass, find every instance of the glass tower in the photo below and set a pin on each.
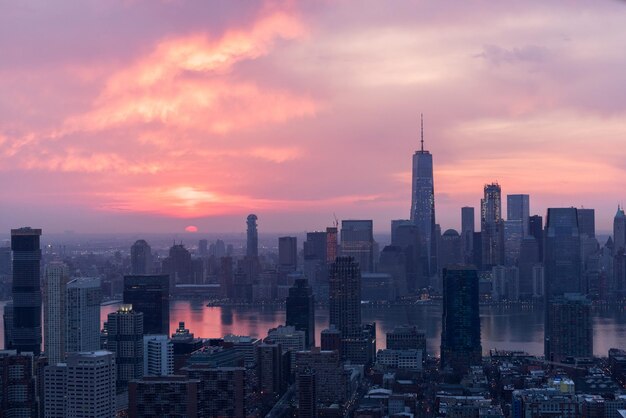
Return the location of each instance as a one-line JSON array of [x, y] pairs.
[[26, 332], [423, 205]]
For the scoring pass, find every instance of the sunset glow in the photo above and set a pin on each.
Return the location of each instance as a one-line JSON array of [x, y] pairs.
[[298, 110]]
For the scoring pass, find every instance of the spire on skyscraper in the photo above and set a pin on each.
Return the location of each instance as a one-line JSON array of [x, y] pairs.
[[422, 129]]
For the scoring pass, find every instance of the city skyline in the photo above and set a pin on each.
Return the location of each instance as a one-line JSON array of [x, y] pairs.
[[260, 108]]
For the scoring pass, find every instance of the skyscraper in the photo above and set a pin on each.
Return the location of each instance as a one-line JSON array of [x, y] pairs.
[[269, 369], [90, 385], [518, 209], [450, 249], [179, 266], [125, 341], [619, 230], [406, 237], [252, 241], [491, 226], [357, 241], [423, 204], [345, 296], [587, 222], [203, 248], [315, 262], [513, 236], [307, 395], [562, 258], [535, 227], [150, 294], [18, 388], [288, 253], [26, 332], [467, 233], [331, 244], [158, 355], [562, 272], [82, 315], [56, 278], [570, 331], [140, 258], [460, 332], [300, 306]]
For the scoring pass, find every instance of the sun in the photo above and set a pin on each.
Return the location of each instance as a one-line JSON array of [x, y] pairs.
[[191, 228]]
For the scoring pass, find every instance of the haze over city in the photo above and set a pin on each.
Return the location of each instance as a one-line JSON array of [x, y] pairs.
[[146, 116]]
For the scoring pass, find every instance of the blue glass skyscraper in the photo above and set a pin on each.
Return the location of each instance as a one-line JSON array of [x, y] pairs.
[[423, 205]]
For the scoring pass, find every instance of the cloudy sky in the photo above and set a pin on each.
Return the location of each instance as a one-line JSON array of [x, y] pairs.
[[142, 115]]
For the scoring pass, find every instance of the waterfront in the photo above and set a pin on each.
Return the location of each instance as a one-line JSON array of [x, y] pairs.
[[503, 327]]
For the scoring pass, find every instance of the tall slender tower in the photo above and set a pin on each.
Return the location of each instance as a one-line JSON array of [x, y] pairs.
[[423, 205], [345, 296], [460, 325], [26, 332], [619, 231], [56, 278], [252, 247], [140, 258], [492, 226], [82, 315]]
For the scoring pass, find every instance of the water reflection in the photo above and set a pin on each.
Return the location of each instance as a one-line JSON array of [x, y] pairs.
[[502, 327]]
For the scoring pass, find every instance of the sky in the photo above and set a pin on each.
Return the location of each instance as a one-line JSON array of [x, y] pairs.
[[156, 116]]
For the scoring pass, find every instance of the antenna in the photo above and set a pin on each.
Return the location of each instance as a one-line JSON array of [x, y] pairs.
[[422, 129]]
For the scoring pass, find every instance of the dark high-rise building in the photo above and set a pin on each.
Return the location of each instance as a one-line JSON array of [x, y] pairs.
[[179, 266], [393, 262], [535, 228], [562, 253], [467, 233], [587, 222], [478, 250], [307, 395], [26, 332], [18, 389], [222, 390], [569, 331], [5, 261], [149, 294], [406, 237], [423, 204], [331, 244], [331, 339], [562, 269], [8, 324], [357, 241], [491, 226], [288, 253], [460, 333], [518, 209], [300, 307], [528, 259], [125, 341], [203, 248], [315, 262], [171, 396], [619, 231], [345, 296], [406, 337], [140, 258], [513, 236], [330, 379], [252, 241], [269, 369], [450, 249]]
